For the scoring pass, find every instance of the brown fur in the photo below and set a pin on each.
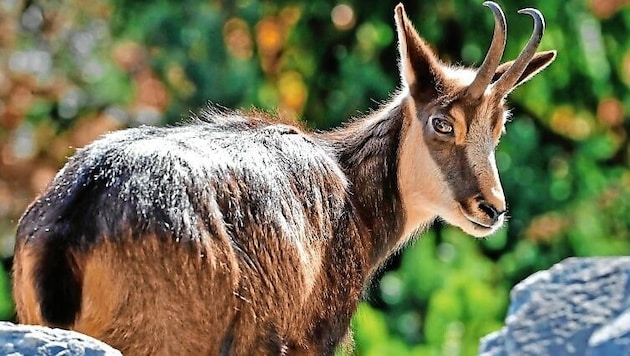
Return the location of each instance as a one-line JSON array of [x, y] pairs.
[[239, 235]]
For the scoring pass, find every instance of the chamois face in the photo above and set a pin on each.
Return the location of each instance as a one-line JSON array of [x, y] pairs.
[[454, 119], [457, 140]]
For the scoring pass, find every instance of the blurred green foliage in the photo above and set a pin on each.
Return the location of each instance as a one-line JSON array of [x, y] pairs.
[[69, 72]]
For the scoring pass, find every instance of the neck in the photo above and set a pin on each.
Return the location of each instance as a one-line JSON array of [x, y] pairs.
[[368, 151]]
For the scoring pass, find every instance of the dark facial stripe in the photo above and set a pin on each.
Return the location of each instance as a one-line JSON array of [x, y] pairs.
[[454, 166]]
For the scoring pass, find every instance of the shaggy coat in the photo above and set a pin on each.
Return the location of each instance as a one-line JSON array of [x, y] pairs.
[[238, 235]]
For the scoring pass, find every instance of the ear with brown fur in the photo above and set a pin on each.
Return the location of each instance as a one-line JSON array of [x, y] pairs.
[[540, 61], [419, 66]]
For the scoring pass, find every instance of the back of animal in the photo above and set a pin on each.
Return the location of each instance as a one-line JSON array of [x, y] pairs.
[[167, 235]]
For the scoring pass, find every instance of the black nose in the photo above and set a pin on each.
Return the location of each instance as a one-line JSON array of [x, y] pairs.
[[490, 210]]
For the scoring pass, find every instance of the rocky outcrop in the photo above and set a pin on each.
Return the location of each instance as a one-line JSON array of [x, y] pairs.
[[580, 306], [27, 340]]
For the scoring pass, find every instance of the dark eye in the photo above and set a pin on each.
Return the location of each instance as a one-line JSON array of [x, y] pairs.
[[441, 125]]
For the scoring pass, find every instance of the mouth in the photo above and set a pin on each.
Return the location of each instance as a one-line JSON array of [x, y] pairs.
[[476, 222], [479, 227]]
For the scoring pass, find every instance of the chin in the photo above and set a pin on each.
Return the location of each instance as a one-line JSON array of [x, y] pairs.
[[456, 218], [478, 230]]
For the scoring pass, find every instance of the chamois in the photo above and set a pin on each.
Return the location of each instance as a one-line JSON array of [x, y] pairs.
[[236, 234]]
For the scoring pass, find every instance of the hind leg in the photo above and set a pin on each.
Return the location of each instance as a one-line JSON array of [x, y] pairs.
[[24, 293], [147, 297]]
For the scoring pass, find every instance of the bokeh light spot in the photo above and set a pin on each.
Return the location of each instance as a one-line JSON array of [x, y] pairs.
[[567, 122], [610, 112], [292, 91], [237, 38], [343, 17]]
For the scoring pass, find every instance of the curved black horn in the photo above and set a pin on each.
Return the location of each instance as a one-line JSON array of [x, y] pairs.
[[495, 52], [506, 83]]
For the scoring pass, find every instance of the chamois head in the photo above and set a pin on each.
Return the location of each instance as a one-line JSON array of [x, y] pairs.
[[455, 117]]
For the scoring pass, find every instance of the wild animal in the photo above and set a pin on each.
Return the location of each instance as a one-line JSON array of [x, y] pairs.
[[238, 235]]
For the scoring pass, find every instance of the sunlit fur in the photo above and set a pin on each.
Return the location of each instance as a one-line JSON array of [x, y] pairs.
[[237, 234]]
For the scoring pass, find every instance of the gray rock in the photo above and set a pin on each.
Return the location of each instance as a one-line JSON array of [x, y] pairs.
[[580, 306], [16, 340]]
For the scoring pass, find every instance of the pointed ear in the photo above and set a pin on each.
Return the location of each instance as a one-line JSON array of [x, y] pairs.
[[419, 66], [540, 61]]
